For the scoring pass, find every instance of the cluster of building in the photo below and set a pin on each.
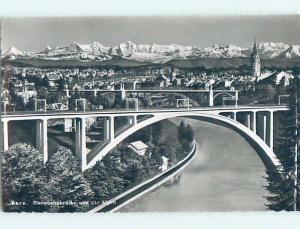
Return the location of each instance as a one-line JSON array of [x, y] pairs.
[[25, 80]]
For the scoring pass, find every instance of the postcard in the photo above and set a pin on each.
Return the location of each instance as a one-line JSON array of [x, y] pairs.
[[150, 114]]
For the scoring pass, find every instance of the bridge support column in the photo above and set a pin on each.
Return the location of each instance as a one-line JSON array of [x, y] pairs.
[[42, 137], [112, 129], [264, 135], [106, 128], [271, 127], [109, 129], [211, 97], [253, 121], [5, 134], [234, 116], [80, 139], [132, 120], [248, 121]]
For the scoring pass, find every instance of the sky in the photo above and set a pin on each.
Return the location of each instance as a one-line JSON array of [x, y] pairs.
[[146, 7], [35, 33]]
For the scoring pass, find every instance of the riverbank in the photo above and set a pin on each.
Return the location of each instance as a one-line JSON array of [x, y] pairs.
[[146, 186]]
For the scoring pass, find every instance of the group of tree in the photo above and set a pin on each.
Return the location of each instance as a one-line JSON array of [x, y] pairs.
[[30, 186], [284, 186], [150, 135], [185, 135]]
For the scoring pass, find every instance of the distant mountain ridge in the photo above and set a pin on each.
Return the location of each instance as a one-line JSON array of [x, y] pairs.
[[152, 54]]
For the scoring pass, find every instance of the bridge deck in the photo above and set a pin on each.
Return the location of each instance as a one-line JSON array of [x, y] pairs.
[[25, 115]]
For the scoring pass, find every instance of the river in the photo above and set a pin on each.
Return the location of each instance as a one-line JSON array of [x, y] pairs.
[[225, 175]]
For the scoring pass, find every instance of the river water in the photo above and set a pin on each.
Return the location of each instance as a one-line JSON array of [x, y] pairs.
[[225, 175]]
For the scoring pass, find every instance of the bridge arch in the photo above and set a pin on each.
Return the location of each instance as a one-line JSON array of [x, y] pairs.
[[223, 93], [264, 151]]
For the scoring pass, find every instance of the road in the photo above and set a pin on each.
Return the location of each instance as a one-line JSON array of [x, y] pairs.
[[226, 175]]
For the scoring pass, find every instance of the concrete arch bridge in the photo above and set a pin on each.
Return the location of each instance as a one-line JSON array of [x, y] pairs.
[[256, 127]]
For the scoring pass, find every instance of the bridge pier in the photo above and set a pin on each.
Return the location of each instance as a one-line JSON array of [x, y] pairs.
[[109, 128], [264, 128], [211, 97], [80, 141], [253, 121], [271, 127], [236, 98], [5, 134], [248, 120], [133, 120], [42, 137], [234, 115]]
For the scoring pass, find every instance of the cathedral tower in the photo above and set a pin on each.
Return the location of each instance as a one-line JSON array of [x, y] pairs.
[[255, 62]]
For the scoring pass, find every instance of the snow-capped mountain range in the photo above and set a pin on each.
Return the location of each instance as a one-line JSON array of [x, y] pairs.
[[154, 53]]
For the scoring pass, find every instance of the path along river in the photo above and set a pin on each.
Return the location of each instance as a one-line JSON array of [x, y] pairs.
[[225, 175]]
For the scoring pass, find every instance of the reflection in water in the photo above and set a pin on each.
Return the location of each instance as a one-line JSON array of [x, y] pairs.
[[226, 175]]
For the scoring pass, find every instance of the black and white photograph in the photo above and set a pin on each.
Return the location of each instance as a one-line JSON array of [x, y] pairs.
[[150, 114]]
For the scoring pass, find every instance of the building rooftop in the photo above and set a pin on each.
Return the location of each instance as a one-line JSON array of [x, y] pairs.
[[138, 145]]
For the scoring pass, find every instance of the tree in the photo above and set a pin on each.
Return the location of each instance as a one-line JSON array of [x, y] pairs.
[[45, 82], [189, 133], [107, 100], [15, 99], [181, 130], [22, 178], [97, 176], [284, 190], [169, 152], [61, 84], [185, 135], [30, 104], [72, 100], [43, 93], [66, 182]]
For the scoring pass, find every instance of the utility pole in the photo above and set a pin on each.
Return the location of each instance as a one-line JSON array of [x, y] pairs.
[[296, 143]]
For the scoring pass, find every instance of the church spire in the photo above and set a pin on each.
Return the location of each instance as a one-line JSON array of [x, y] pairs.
[[255, 61], [254, 47]]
